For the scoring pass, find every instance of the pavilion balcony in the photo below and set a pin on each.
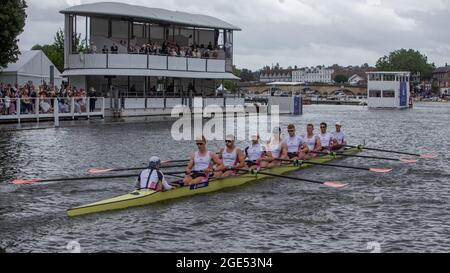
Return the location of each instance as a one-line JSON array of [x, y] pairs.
[[140, 61]]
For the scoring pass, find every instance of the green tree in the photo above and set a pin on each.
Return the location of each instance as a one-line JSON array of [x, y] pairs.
[[12, 22], [247, 75], [341, 78], [55, 51], [55, 55], [407, 60], [231, 84]]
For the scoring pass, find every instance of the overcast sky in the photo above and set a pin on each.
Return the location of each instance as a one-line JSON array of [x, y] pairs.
[[296, 32]]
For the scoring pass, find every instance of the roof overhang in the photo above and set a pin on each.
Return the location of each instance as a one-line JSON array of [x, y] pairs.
[[150, 73], [142, 13]]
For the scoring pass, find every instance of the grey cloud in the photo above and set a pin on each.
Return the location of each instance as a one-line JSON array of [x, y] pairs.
[[298, 32]]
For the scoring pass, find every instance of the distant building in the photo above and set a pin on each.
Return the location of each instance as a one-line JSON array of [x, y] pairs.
[[313, 75], [276, 75], [355, 79], [388, 89], [32, 66], [441, 78], [145, 52], [351, 71]]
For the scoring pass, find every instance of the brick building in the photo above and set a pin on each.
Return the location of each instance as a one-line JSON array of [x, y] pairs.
[[441, 79]]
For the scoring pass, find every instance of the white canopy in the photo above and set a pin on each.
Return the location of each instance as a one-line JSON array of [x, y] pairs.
[[221, 88], [32, 66], [123, 10]]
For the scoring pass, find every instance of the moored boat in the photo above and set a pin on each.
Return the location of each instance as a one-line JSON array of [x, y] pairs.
[[146, 197]]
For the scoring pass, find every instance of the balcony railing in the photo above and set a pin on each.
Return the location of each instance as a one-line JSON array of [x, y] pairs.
[[142, 61], [43, 108]]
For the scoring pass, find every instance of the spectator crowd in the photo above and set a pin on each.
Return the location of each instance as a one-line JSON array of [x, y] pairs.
[[165, 48], [13, 95]]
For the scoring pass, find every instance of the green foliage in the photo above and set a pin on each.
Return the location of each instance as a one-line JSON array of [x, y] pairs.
[[55, 51], [341, 78], [407, 60], [54, 54], [12, 22], [230, 84]]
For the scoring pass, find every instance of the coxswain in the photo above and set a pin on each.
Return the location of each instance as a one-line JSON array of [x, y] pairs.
[[256, 155], [200, 166], [312, 141], [232, 158], [339, 140], [152, 178], [294, 144]]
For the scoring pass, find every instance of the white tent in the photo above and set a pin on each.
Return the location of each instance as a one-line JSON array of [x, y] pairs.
[[32, 66], [221, 88]]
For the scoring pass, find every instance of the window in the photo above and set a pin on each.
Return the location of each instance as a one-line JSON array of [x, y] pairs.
[[388, 94], [374, 77], [389, 77], [99, 27], [119, 29], [138, 30], [375, 93]]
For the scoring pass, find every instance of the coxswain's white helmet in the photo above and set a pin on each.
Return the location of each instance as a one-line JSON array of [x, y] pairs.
[[155, 162]]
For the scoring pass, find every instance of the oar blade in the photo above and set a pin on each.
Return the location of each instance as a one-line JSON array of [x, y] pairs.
[[408, 161], [25, 182], [428, 156], [99, 171], [335, 184], [378, 170]]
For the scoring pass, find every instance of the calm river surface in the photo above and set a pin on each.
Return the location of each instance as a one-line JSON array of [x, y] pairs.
[[407, 210]]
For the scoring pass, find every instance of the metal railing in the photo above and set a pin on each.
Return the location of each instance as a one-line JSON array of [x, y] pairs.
[[147, 61], [165, 102], [44, 108]]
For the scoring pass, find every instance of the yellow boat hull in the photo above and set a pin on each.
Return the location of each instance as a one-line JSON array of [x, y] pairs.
[[146, 197]]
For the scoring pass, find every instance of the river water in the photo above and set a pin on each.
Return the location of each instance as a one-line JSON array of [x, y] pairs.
[[407, 210]]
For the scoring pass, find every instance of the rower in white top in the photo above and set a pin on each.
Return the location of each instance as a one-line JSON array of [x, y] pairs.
[[326, 139], [232, 158], [312, 141], [276, 148], [152, 178], [339, 140], [256, 155], [200, 166], [294, 144]]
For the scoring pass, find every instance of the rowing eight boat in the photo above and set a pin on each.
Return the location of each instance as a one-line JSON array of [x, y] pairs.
[[146, 197]]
